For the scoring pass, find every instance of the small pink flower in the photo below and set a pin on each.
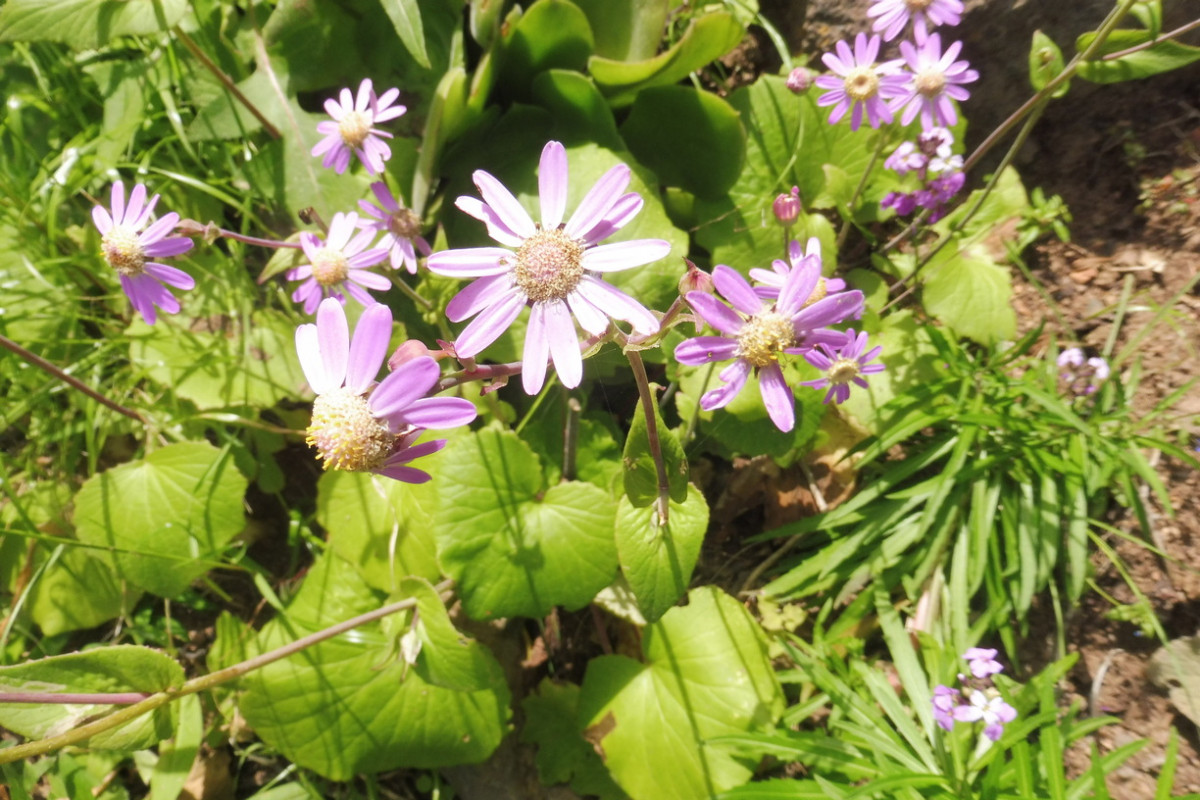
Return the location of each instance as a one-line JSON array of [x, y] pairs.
[[934, 83], [892, 15], [843, 366], [126, 250], [554, 267], [352, 131], [859, 84], [337, 265], [401, 228]]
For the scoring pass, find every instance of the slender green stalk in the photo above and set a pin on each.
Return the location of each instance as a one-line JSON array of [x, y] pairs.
[[84, 732], [225, 80], [880, 139], [651, 412]]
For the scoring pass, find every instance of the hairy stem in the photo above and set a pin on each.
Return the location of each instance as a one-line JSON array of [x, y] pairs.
[[159, 699], [225, 80], [75, 383]]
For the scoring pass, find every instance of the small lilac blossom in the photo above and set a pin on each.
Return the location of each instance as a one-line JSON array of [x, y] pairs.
[[905, 159], [550, 267], [401, 228], [126, 248], [859, 84], [903, 203], [935, 81], [337, 265], [982, 661], [940, 191], [988, 706], [799, 80], [893, 15], [360, 425], [842, 366], [787, 207], [1084, 375], [352, 131], [944, 701], [790, 325], [770, 281]]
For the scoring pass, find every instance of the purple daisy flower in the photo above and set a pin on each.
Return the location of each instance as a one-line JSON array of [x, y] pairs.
[[360, 425], [126, 250], [791, 325], [351, 131], [771, 280], [944, 701], [859, 83], [843, 366], [338, 264], [401, 228], [936, 79], [551, 268], [892, 15]]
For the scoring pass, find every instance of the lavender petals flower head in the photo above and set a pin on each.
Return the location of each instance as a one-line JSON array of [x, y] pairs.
[[944, 701], [987, 706], [858, 84], [891, 16], [770, 281], [1083, 375], [982, 661], [360, 425], [936, 80], [126, 248], [338, 265], [401, 228], [793, 324], [352, 131], [554, 268], [843, 366]]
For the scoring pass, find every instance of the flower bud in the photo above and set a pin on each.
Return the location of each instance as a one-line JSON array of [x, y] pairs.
[[695, 280], [406, 352], [799, 80], [787, 207]]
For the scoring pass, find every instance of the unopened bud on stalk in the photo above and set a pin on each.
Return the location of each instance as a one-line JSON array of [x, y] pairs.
[[787, 207], [799, 80], [695, 280], [406, 352]]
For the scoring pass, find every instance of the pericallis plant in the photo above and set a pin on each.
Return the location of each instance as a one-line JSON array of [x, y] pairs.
[[504, 318]]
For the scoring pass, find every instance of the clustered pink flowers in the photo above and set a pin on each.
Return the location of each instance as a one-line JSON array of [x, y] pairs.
[[977, 700]]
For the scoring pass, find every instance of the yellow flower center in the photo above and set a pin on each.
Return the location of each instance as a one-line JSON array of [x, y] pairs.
[[843, 371], [930, 82], [861, 83], [818, 293], [330, 267], [549, 265], [764, 336], [123, 251], [354, 128], [404, 224], [918, 5], [346, 434]]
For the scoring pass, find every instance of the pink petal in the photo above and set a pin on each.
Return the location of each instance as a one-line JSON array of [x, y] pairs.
[[777, 397], [481, 211], [590, 318], [617, 304], [100, 216], [552, 184], [470, 262], [620, 215], [308, 348], [510, 211], [368, 347], [439, 413], [477, 296], [396, 392], [715, 313], [705, 350], [734, 288], [598, 202], [734, 377], [487, 327], [536, 351], [333, 334], [167, 274], [624, 255], [564, 343]]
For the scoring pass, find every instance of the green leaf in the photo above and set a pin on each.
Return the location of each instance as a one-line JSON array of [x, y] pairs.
[[345, 706], [1160, 57], [514, 547], [563, 755], [223, 362], [580, 111], [116, 668], [626, 30], [175, 757], [658, 559], [551, 34], [406, 17], [310, 38], [169, 515], [448, 658], [641, 473], [86, 24], [1045, 63], [81, 590], [381, 526], [707, 38], [690, 139], [706, 674], [971, 293]]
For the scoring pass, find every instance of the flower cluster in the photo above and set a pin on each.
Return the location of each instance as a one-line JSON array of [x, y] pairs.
[[931, 158], [1082, 375], [977, 700], [790, 312]]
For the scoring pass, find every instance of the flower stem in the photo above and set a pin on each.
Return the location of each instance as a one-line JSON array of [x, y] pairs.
[[159, 699], [255, 240], [225, 80], [46, 366], [880, 140], [652, 440], [64, 698], [571, 438]]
